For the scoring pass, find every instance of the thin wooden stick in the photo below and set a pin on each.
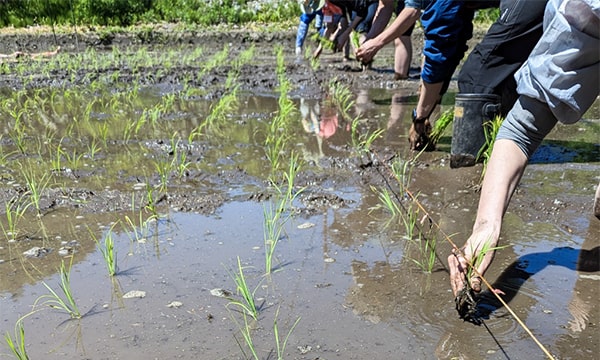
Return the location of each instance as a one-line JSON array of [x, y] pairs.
[[460, 253]]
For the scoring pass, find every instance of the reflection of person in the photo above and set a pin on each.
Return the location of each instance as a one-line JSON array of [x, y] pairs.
[[22, 54], [559, 82], [323, 123]]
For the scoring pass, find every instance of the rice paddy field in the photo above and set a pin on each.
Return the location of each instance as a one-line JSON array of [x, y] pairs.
[[178, 195]]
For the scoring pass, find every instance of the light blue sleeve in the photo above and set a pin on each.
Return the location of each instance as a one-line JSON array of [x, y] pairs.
[[563, 68]]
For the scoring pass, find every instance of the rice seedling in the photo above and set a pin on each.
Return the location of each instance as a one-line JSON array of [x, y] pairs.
[[315, 63], [179, 162], [140, 232], [109, 253], [479, 256], [246, 332], [426, 249], [216, 60], [276, 213], [245, 57], [35, 186], [282, 345], [490, 130], [362, 143], [93, 148], [410, 219], [18, 135], [163, 168], [247, 304], [219, 113], [14, 211], [402, 170], [17, 345], [342, 97], [103, 133], [66, 302], [273, 229], [73, 158], [278, 134], [387, 201], [441, 124]]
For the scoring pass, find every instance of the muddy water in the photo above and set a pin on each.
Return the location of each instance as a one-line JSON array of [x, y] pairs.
[[343, 269]]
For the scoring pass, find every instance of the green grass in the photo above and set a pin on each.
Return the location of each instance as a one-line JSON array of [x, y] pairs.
[[74, 13]]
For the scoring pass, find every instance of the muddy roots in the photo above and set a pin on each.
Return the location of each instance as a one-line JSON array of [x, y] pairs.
[[466, 305]]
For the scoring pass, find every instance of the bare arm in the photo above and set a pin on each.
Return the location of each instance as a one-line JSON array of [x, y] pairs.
[[404, 20], [382, 18], [503, 173]]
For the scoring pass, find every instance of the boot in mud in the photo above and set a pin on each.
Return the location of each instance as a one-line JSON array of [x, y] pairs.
[[471, 111]]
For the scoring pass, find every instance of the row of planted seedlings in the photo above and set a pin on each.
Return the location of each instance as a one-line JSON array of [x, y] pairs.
[[278, 209], [53, 139], [403, 206], [57, 156], [54, 156], [97, 69]]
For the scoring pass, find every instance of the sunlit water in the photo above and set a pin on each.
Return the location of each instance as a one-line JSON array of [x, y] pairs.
[[347, 274]]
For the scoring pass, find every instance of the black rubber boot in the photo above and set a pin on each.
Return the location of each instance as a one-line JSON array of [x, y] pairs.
[[471, 111]]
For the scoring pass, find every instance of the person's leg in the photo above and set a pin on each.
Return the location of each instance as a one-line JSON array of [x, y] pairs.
[[302, 32], [490, 67], [402, 57], [319, 20]]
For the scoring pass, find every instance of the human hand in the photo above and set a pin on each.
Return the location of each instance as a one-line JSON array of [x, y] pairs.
[[418, 136], [366, 52], [479, 251]]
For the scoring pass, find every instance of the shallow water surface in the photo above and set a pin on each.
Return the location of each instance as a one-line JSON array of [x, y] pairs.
[[347, 280]]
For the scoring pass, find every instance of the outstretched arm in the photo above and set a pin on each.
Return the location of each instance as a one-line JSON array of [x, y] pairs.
[[503, 173], [404, 20], [382, 18]]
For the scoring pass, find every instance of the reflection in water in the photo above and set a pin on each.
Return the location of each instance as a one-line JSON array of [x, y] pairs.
[[322, 119], [399, 119], [62, 230]]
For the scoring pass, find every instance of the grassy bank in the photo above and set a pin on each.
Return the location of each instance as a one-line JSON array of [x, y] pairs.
[[20, 13]]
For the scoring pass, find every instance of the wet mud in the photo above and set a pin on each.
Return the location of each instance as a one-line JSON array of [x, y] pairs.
[[348, 280]]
